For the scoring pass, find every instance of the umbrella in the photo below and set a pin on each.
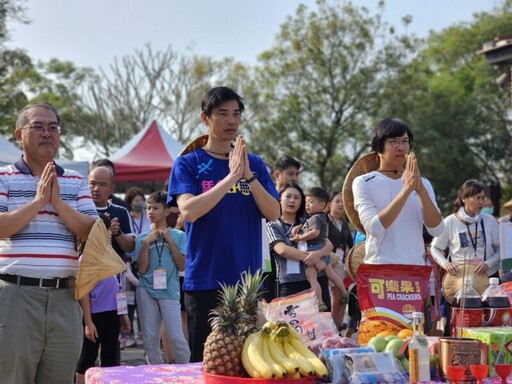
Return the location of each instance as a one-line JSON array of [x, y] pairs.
[[99, 261]]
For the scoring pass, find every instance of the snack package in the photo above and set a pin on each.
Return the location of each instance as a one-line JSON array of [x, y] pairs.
[[300, 311], [388, 295], [373, 367], [334, 360], [332, 342]]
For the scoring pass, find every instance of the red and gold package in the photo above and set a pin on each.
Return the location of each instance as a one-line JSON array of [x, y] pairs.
[[388, 294]]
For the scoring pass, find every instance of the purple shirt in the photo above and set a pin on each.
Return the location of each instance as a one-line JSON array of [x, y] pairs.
[[103, 295]]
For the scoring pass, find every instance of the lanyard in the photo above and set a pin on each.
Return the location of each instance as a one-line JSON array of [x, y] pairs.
[[474, 241], [160, 251], [138, 228], [289, 229]]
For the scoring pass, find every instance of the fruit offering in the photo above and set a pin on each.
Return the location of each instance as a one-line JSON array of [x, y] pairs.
[[397, 346], [276, 352], [232, 320]]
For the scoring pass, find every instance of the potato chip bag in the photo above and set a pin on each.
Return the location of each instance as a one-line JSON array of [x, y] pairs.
[[388, 295]]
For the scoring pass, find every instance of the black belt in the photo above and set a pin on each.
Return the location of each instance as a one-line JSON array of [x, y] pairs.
[[68, 282]]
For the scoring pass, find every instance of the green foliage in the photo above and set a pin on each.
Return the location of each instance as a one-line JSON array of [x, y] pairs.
[[317, 87], [448, 95], [332, 72], [14, 64]]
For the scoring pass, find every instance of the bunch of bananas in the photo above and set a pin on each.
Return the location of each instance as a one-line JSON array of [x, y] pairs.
[[276, 352]]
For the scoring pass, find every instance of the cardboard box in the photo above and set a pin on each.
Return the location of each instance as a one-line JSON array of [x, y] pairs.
[[496, 340]]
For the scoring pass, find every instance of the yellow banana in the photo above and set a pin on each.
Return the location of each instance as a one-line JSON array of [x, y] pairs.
[[255, 355], [246, 362], [278, 355], [270, 324], [296, 375], [293, 332], [305, 367], [278, 370], [318, 365]]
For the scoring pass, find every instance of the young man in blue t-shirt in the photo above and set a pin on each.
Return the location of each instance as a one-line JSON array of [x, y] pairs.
[[222, 191]]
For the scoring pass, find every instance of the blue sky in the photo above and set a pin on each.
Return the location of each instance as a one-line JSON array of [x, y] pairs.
[[94, 32]]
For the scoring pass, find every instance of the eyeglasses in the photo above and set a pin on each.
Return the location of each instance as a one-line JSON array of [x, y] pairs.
[[40, 128], [397, 143]]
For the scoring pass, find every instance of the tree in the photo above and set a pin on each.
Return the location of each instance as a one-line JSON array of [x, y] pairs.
[[148, 85], [14, 64], [448, 95], [317, 87]]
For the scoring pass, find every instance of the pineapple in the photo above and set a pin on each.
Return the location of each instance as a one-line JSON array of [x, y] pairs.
[[248, 300], [223, 347]]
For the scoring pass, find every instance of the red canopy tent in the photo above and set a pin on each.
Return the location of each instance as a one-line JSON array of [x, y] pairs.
[[148, 156]]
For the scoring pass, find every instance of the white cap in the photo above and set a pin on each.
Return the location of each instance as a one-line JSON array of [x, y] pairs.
[[494, 281]]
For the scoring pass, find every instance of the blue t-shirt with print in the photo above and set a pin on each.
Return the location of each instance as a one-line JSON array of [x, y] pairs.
[[160, 256], [226, 241]]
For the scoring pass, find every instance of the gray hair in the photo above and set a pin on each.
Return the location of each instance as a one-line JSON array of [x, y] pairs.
[[23, 118]]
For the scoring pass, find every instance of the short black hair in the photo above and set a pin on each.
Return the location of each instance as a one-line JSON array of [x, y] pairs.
[[218, 95], [387, 128], [103, 163], [286, 162], [158, 197], [318, 193]]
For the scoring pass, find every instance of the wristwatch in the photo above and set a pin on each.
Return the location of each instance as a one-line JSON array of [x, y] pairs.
[[251, 179]]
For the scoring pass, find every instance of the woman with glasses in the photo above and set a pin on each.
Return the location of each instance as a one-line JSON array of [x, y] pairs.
[[394, 202]]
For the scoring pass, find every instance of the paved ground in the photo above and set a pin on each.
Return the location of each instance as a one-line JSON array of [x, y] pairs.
[[133, 355]]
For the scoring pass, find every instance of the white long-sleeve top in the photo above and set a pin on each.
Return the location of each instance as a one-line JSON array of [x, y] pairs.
[[459, 242], [402, 241]]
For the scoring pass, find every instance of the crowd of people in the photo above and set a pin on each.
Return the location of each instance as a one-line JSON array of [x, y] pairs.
[[221, 192]]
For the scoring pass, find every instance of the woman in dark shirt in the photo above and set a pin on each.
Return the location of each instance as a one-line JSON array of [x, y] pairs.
[[290, 262]]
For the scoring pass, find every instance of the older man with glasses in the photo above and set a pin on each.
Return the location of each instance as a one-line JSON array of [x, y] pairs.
[[44, 211]]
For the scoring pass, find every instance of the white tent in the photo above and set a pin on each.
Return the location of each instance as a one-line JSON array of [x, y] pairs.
[[9, 153]]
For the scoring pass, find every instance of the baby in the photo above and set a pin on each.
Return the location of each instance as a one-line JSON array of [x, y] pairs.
[[314, 231]]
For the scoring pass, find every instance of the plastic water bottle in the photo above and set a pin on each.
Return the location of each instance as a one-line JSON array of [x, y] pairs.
[[496, 305], [467, 308], [419, 363]]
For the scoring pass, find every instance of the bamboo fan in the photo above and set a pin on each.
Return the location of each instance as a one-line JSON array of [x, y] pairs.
[[99, 261]]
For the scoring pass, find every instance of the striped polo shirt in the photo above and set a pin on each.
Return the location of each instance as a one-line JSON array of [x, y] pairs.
[[45, 248]]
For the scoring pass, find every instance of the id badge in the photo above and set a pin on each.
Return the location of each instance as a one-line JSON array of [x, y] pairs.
[[121, 303], [159, 278], [340, 252]]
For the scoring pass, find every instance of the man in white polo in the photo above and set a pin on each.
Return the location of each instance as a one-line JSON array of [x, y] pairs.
[[44, 210]]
